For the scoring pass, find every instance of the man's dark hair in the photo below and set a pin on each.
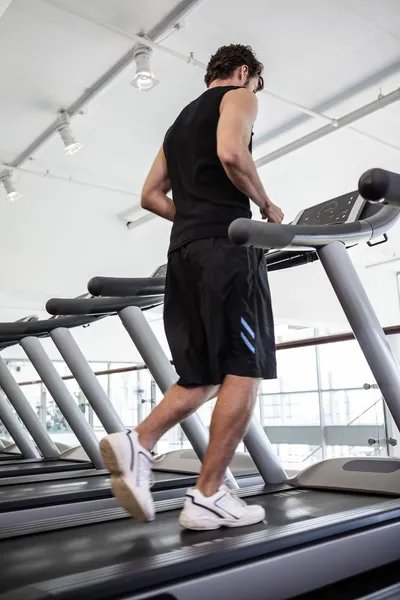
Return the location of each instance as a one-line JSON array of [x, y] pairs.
[[228, 58]]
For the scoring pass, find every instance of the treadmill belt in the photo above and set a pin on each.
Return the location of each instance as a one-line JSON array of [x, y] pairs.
[[24, 468], [127, 546], [10, 457], [42, 493], [53, 492]]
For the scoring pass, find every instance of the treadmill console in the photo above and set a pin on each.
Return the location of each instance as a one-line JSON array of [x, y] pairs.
[[344, 209], [160, 272]]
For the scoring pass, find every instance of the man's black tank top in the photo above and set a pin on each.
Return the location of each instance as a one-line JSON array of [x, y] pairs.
[[206, 200]]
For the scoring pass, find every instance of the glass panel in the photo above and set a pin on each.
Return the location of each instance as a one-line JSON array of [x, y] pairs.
[[344, 451], [296, 457], [22, 370], [126, 392], [297, 369], [353, 407], [343, 365], [291, 409]]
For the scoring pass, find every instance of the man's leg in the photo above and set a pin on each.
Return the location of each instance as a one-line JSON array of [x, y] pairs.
[[128, 455], [231, 417], [178, 404], [210, 505]]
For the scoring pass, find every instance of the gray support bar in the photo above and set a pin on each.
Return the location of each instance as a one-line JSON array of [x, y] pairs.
[[364, 323], [63, 399], [15, 429], [87, 380], [26, 413], [165, 376]]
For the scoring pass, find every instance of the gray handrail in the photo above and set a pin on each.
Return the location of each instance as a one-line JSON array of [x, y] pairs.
[[245, 232], [18, 329], [126, 286], [99, 306]]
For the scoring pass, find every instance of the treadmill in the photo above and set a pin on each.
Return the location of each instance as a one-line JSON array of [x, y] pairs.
[[44, 457], [335, 520], [76, 493]]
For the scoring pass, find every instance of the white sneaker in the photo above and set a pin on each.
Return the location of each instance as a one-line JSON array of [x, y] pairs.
[[130, 467], [223, 509]]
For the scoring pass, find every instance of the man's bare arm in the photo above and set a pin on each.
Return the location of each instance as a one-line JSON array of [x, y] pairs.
[[238, 113], [156, 188]]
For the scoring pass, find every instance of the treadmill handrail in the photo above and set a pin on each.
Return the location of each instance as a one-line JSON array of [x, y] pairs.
[[377, 184], [99, 306], [245, 232], [126, 286], [18, 330]]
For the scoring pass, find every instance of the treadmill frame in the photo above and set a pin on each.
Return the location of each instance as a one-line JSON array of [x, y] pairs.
[[314, 553]]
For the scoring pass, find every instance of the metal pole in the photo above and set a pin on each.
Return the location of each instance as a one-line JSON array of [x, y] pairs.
[[364, 323], [344, 121], [57, 388], [14, 428], [165, 376], [322, 422], [87, 380], [26, 413]]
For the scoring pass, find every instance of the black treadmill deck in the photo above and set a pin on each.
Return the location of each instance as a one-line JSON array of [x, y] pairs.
[[124, 546], [43, 493], [15, 468], [10, 456]]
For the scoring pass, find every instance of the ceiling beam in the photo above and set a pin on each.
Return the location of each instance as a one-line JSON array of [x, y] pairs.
[[343, 122], [183, 57], [164, 26], [373, 80], [182, 11], [168, 24]]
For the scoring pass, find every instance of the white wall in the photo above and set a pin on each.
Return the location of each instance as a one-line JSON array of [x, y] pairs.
[[75, 237], [305, 295]]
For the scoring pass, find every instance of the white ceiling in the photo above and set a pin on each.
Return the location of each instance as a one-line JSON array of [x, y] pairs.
[[330, 55]]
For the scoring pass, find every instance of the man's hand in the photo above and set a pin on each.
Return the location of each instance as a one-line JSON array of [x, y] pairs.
[[272, 213]]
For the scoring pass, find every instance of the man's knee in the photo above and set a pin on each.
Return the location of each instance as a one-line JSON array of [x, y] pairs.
[[197, 391]]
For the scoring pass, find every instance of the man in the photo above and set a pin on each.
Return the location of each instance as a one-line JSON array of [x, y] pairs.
[[217, 311]]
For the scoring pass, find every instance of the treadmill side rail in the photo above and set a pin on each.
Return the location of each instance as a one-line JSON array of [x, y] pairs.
[[375, 475]]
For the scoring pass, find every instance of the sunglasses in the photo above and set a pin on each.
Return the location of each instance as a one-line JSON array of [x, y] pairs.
[[260, 86]]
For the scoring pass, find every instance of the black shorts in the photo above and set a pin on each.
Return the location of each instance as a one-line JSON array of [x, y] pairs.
[[217, 313]]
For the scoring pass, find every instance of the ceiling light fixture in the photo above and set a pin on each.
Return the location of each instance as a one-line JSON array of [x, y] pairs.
[[12, 193], [67, 135], [144, 79]]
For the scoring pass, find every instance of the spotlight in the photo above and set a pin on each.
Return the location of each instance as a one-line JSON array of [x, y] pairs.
[[11, 192], [67, 135], [144, 79]]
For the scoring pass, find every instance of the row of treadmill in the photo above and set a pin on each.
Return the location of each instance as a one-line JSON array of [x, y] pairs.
[[332, 530]]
